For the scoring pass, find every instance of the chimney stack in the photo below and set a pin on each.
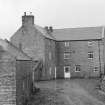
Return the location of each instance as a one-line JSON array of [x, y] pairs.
[[27, 19], [49, 29]]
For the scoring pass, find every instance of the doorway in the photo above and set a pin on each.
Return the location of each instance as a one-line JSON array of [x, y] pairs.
[[67, 72]]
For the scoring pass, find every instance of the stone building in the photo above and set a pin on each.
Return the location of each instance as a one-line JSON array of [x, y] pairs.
[[65, 53], [80, 52], [12, 77], [38, 43]]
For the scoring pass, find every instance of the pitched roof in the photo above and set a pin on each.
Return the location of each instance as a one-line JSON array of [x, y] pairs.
[[83, 33], [13, 50], [44, 32]]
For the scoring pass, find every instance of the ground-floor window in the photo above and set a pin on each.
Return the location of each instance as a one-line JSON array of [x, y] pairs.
[[77, 68]]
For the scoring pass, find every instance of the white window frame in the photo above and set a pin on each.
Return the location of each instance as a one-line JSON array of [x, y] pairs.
[[76, 68], [67, 44], [91, 52], [66, 54]]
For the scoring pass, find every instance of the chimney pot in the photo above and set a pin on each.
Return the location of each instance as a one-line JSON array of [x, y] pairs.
[[51, 29], [24, 13], [27, 20]]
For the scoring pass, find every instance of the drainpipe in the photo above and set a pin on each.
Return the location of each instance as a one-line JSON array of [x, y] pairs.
[[103, 35], [99, 57]]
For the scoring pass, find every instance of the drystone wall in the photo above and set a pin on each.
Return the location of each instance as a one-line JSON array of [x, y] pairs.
[[103, 84], [7, 82]]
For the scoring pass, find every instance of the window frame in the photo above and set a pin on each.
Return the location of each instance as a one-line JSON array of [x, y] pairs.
[[67, 44], [66, 54], [90, 55], [76, 70], [90, 43], [96, 70]]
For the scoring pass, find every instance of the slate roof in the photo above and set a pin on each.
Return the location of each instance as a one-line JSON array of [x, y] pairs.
[[82, 33], [7, 46], [44, 32]]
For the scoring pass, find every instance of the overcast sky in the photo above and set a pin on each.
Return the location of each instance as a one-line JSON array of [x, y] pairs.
[[57, 13]]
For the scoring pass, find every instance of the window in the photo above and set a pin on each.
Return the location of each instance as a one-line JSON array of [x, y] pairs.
[[90, 43], [66, 44], [90, 55], [78, 68], [67, 69], [66, 55], [95, 69]]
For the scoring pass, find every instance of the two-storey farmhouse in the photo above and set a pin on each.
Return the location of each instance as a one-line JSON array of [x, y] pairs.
[[65, 53], [79, 52]]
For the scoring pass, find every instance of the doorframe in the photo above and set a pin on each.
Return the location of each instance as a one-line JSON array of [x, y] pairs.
[[69, 71]]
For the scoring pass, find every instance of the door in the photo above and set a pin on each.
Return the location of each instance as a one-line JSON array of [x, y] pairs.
[[67, 72]]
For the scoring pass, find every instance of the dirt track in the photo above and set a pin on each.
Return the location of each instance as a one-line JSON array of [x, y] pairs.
[[73, 92]]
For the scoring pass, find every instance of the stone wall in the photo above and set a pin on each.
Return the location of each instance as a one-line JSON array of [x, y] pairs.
[[78, 51], [50, 58], [7, 83], [103, 84]]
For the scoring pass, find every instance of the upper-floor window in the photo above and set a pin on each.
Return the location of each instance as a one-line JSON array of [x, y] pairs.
[[90, 55], [77, 68], [66, 44], [90, 43], [66, 55], [96, 69]]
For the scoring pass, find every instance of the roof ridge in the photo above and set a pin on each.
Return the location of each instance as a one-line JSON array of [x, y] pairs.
[[78, 27], [44, 32]]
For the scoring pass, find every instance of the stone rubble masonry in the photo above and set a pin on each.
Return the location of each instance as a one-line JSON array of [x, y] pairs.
[[7, 83], [103, 84]]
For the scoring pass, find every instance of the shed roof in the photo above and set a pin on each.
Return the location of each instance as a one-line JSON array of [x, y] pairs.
[[7, 46], [82, 33]]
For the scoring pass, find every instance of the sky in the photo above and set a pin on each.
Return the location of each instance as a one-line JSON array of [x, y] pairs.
[[56, 13]]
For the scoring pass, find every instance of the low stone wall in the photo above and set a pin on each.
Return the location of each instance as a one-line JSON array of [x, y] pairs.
[[103, 84], [7, 83]]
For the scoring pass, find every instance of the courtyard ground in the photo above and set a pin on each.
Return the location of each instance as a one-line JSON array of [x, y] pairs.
[[69, 92]]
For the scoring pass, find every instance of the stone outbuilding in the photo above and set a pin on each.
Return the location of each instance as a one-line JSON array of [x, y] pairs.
[[11, 82]]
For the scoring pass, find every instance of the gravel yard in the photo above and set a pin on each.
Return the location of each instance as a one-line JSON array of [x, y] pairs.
[[48, 97], [69, 92]]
